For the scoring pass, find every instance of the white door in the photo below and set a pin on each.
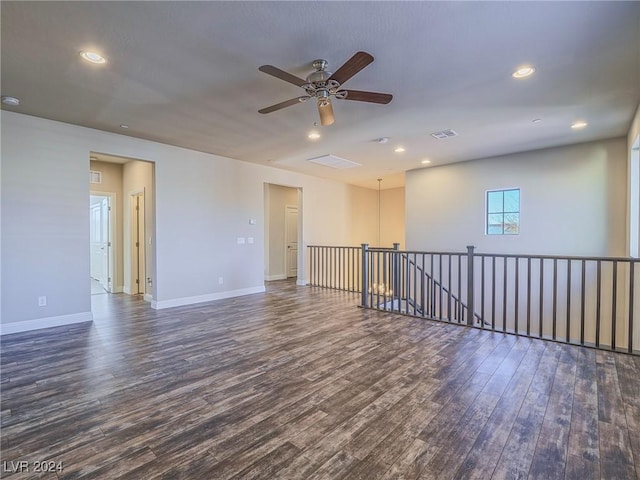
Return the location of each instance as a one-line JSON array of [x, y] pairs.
[[95, 237], [291, 240], [99, 236]]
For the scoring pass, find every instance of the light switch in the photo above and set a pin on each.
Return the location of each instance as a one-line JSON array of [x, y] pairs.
[[240, 240], [252, 221], [249, 239]]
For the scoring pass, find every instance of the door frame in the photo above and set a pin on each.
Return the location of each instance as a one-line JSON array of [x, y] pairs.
[[267, 228], [112, 237]]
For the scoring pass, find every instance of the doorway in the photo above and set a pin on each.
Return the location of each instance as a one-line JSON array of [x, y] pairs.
[[283, 232], [101, 242]]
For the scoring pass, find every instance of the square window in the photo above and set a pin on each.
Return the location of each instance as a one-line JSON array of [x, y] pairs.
[[503, 212]]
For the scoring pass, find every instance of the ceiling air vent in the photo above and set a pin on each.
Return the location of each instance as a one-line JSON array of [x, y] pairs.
[[444, 134], [332, 161], [95, 176]]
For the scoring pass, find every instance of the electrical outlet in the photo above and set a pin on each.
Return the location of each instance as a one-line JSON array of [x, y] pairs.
[[220, 280], [42, 301]]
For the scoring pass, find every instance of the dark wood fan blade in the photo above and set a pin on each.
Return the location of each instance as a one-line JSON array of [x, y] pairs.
[[286, 103], [371, 97], [351, 67], [282, 75]]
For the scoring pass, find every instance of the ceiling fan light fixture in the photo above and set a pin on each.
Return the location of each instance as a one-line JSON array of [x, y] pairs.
[[325, 109]]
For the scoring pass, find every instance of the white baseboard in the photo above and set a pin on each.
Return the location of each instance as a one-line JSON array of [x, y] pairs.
[[178, 302], [270, 278], [301, 283], [47, 322], [148, 297], [126, 290], [117, 289]]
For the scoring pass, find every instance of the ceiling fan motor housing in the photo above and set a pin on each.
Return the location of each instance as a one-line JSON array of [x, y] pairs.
[[320, 75]]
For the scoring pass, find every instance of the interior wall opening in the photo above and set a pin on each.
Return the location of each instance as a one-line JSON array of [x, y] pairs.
[[283, 232], [129, 186]]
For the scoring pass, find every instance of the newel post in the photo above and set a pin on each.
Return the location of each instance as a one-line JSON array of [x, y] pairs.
[[470, 286], [365, 274], [396, 274]]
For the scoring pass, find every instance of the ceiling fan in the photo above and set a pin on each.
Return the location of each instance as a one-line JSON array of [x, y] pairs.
[[322, 85]]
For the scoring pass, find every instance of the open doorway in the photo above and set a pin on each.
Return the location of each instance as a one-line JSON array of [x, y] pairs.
[[101, 242], [129, 185], [283, 238]]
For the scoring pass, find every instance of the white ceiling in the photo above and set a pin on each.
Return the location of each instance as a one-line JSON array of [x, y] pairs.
[[186, 74]]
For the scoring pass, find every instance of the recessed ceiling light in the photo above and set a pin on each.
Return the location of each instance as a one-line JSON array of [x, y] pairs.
[[536, 120], [13, 101], [578, 125], [124, 126], [314, 135], [399, 149], [524, 71], [425, 161], [93, 57]]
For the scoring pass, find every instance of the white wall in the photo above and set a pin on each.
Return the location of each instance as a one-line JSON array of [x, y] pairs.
[[45, 229], [203, 203], [572, 202]]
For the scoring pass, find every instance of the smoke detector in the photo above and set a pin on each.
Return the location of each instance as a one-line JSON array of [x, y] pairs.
[[12, 101]]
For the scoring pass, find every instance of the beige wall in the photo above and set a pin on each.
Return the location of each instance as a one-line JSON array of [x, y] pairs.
[[138, 177], [632, 137], [277, 197], [572, 202], [364, 213], [363, 210], [112, 183], [392, 213]]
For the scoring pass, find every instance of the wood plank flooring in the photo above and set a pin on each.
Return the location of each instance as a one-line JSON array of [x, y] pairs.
[[299, 383]]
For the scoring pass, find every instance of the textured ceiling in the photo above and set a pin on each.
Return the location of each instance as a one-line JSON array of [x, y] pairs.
[[186, 74]]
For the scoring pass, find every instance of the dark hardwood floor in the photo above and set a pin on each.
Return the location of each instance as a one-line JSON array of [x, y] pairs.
[[299, 383]]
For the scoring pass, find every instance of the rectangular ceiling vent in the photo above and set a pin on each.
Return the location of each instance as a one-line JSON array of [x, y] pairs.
[[332, 161], [444, 134], [95, 176]]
